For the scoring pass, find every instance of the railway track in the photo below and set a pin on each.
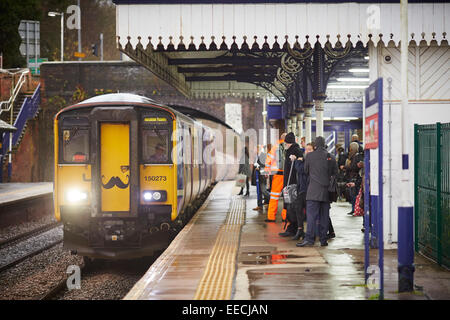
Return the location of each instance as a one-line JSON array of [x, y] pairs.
[[59, 287], [21, 248], [28, 255], [28, 234]]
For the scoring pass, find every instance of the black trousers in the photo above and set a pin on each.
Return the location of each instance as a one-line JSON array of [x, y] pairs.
[[263, 193], [296, 213]]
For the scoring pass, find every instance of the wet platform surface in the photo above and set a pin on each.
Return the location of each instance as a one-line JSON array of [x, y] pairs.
[[227, 251], [15, 192]]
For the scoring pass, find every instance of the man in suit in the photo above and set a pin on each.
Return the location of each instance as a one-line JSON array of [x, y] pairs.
[[319, 166]]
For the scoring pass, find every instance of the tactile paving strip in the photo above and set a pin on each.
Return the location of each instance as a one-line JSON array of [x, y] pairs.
[[217, 280]]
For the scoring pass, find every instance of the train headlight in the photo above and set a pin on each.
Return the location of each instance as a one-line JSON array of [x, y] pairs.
[[75, 196], [148, 196], [157, 196], [154, 196]]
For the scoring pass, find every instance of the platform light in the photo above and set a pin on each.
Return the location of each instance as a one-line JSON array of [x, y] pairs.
[[353, 79], [54, 14], [366, 58], [75, 196], [359, 70]]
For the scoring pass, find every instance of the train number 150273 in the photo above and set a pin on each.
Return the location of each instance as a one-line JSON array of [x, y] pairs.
[[155, 178]]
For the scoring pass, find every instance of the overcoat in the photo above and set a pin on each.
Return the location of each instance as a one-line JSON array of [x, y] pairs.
[[319, 170]]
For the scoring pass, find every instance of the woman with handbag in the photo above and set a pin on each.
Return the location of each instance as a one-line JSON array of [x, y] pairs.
[[352, 174], [290, 178], [244, 168]]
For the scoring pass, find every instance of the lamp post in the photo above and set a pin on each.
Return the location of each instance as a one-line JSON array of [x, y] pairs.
[[54, 14]]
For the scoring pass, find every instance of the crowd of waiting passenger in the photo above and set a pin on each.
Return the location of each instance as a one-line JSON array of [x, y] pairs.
[[309, 178]]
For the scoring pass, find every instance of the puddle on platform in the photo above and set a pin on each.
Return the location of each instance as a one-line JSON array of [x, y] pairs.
[[276, 258], [264, 255]]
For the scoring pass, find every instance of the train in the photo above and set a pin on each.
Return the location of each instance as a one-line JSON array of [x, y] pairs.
[[128, 171]]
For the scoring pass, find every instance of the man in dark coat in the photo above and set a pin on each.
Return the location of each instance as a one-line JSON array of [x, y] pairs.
[[302, 187], [291, 148], [319, 166]]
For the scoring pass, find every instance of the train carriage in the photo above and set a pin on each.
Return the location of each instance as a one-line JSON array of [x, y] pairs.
[[127, 171]]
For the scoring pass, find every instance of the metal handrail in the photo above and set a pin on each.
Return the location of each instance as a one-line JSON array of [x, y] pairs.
[[27, 111], [15, 92]]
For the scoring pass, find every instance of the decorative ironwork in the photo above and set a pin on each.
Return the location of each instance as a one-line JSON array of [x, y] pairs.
[[338, 52], [284, 77], [293, 74], [297, 53], [289, 64]]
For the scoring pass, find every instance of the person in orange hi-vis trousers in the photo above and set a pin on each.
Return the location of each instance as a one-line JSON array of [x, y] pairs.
[[274, 166]]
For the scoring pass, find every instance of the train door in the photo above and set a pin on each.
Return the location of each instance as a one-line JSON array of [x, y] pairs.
[[181, 196], [199, 139], [195, 166], [115, 167], [202, 161], [187, 164]]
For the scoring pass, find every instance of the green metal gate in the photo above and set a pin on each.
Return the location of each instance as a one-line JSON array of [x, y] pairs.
[[432, 191]]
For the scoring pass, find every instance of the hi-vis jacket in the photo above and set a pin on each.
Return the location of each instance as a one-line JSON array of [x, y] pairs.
[[275, 159]]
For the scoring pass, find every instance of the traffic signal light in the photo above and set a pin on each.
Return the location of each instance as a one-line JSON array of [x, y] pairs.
[[94, 47]]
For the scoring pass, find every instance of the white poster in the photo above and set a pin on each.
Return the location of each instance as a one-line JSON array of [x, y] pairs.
[[233, 116]]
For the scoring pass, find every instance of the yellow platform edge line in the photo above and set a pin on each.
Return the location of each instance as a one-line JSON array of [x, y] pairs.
[[217, 280]]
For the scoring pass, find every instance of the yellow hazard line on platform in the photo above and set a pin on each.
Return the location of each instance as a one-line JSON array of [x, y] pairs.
[[217, 280]]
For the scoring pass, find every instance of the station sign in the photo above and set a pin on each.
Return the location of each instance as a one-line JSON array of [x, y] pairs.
[[35, 65], [371, 132]]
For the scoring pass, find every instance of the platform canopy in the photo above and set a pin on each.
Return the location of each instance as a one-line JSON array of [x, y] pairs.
[[246, 47], [362, 20]]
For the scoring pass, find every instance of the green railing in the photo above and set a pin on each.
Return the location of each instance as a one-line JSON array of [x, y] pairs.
[[432, 191]]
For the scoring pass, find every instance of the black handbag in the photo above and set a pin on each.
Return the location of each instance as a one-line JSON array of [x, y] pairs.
[[332, 187], [254, 176], [290, 191]]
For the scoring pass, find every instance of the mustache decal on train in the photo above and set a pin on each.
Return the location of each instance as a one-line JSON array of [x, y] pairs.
[[115, 181]]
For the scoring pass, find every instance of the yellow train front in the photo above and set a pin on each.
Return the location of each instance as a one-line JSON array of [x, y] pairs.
[[127, 171]]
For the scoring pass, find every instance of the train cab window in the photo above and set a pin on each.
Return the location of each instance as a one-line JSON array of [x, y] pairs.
[[74, 139], [156, 145], [75, 145]]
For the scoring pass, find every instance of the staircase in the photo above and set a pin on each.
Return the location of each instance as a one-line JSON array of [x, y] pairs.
[[6, 116], [25, 107]]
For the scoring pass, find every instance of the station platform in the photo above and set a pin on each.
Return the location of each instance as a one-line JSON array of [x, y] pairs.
[[228, 252], [21, 202], [16, 192]]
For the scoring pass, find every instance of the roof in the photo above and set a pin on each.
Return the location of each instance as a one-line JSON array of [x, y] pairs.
[[197, 114], [118, 97], [362, 20], [130, 98]]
